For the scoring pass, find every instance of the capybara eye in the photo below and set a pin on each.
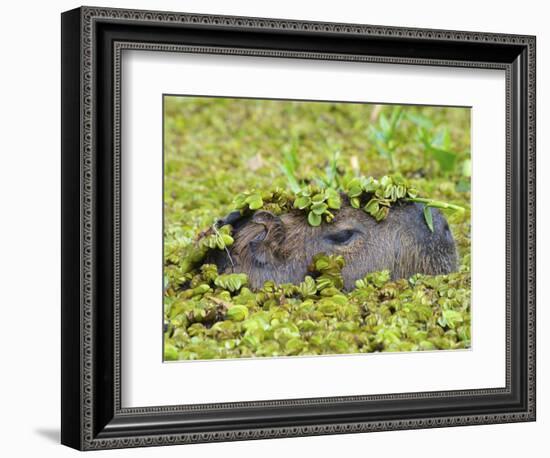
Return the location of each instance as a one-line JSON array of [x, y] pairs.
[[341, 237]]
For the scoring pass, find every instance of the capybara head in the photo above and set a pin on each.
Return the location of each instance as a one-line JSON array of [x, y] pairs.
[[280, 248]]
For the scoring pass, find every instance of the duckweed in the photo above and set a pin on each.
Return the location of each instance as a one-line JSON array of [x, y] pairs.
[[222, 154]]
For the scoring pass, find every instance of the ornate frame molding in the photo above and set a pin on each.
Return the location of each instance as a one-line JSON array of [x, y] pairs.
[[89, 434]]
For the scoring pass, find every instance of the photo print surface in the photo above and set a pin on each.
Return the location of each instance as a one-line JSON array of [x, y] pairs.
[[305, 228]]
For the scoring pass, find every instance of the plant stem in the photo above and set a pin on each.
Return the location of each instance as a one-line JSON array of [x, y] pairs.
[[435, 203], [224, 246], [392, 161]]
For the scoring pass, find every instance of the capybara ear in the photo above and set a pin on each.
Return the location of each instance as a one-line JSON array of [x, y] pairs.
[[267, 244], [274, 228]]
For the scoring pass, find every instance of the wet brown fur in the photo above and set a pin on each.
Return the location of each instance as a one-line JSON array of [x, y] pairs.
[[280, 249]]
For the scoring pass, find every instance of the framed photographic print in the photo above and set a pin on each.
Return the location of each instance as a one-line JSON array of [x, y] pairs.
[[277, 228]]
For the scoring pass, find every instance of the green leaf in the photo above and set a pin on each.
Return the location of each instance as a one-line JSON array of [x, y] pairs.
[[307, 287], [355, 191], [318, 198], [370, 185], [428, 217], [331, 193], [412, 192], [444, 158], [255, 202], [421, 121], [231, 282], [391, 192], [170, 353], [384, 123], [302, 202], [452, 318], [372, 207], [239, 201], [294, 346], [381, 213], [396, 115], [305, 191], [237, 313], [331, 171], [290, 165], [385, 181], [321, 262], [292, 182], [442, 139], [227, 239], [319, 208], [401, 191], [220, 242], [313, 219], [334, 202]]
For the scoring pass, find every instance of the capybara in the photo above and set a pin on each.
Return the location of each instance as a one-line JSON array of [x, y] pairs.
[[280, 248]]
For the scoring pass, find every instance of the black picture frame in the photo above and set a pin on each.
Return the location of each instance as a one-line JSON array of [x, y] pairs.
[[92, 416]]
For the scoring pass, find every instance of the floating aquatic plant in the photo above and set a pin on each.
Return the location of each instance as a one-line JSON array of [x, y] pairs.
[[376, 197], [217, 149], [221, 318]]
